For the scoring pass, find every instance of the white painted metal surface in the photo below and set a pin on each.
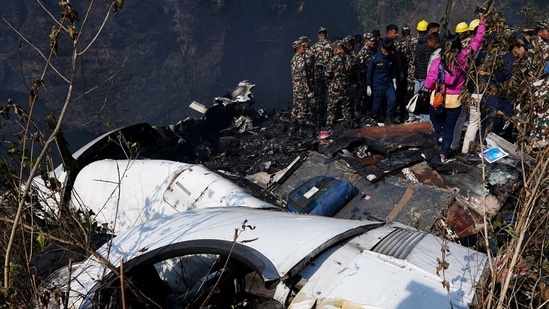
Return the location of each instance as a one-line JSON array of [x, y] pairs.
[[284, 238], [347, 274], [365, 278], [125, 193]]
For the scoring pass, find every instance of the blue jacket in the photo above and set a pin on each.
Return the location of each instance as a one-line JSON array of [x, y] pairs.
[[381, 71]]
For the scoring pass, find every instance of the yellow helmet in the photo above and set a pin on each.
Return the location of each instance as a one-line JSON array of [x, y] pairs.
[[473, 24], [462, 27], [422, 25]]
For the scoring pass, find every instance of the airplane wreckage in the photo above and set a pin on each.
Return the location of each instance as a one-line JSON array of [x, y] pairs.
[[234, 155]]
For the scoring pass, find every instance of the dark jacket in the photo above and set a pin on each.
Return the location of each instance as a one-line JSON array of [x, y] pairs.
[[381, 71], [421, 60]]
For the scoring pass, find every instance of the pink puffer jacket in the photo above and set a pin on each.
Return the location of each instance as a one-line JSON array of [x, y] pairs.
[[455, 79]]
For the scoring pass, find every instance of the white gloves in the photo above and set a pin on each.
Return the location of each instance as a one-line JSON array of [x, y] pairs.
[[310, 95], [395, 83], [369, 91]]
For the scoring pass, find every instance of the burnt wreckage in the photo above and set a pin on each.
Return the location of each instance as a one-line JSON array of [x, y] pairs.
[[235, 155], [390, 172]]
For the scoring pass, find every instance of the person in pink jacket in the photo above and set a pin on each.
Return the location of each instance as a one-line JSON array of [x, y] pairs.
[[453, 62]]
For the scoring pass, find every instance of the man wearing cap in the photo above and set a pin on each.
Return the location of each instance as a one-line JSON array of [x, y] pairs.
[[410, 51], [381, 83], [363, 57], [422, 55], [352, 67], [301, 82], [400, 66], [322, 51], [406, 86], [539, 53], [310, 64], [337, 80], [462, 30]]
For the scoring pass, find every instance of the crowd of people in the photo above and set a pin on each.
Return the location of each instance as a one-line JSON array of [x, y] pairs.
[[372, 78]]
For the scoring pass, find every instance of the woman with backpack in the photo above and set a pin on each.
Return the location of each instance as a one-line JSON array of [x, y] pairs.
[[446, 77]]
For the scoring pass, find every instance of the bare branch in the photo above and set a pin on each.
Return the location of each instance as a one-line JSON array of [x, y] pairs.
[[37, 50], [98, 31]]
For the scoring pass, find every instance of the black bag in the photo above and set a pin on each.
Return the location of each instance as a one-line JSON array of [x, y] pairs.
[[419, 103]]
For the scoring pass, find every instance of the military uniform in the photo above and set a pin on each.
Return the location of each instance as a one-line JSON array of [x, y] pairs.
[[309, 60], [408, 47], [401, 70], [322, 52], [363, 58], [302, 88], [337, 80], [538, 56], [352, 69]]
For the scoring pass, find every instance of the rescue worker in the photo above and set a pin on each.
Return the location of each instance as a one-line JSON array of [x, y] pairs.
[[377, 42], [501, 103], [309, 63], [462, 31], [400, 58], [363, 58], [302, 89], [352, 68], [451, 67], [381, 83], [539, 53], [322, 52], [405, 87], [421, 58], [358, 42], [337, 80], [421, 28]]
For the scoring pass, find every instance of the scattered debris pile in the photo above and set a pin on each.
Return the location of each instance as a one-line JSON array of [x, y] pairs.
[[395, 168]]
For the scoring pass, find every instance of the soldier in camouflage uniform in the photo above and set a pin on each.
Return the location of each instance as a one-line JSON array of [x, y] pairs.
[[408, 45], [352, 67], [310, 64], [309, 60], [537, 62], [337, 80], [539, 53], [322, 52], [363, 58], [409, 48], [301, 82]]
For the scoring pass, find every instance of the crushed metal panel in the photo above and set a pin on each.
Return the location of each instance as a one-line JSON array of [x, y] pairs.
[[388, 138], [427, 176], [396, 200], [462, 221], [391, 198]]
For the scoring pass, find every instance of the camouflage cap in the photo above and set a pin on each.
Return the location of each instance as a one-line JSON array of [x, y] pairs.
[[322, 29], [369, 36], [348, 39], [405, 28], [304, 38], [338, 43], [543, 24], [296, 44]]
